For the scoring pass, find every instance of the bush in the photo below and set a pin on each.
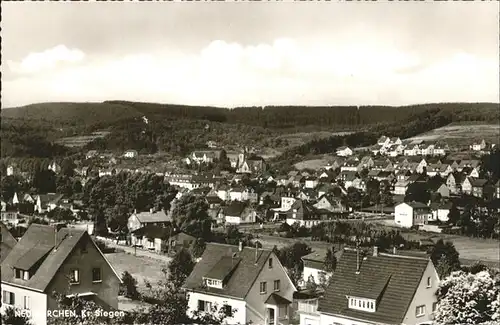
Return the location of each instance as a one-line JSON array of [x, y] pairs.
[[129, 286]]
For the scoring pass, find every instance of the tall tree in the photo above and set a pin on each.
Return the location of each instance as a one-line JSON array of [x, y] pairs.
[[330, 260], [445, 257], [466, 298], [180, 267]]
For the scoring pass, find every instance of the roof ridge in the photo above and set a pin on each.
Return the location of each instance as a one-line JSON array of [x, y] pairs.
[[236, 246], [404, 256]]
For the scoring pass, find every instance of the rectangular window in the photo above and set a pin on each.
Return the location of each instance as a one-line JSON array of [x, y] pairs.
[[74, 276], [420, 311], [263, 287], [270, 263], [434, 306], [429, 282], [204, 306], [27, 302], [8, 298], [276, 285], [96, 274], [18, 273], [26, 275]]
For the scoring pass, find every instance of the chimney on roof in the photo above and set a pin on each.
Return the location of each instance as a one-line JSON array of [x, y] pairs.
[[394, 250], [151, 210], [256, 252], [375, 251], [240, 246]]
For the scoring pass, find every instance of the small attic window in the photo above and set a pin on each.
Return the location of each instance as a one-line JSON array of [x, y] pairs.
[[21, 274]]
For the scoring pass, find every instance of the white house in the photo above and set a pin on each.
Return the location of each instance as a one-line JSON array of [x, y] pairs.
[[311, 182], [408, 214], [10, 170], [478, 146], [344, 151], [314, 266], [237, 213], [251, 281], [131, 154], [440, 211]]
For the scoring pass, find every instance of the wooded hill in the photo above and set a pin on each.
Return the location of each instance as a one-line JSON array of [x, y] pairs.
[[30, 130]]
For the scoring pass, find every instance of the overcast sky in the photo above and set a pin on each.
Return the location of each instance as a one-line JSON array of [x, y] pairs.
[[230, 54]]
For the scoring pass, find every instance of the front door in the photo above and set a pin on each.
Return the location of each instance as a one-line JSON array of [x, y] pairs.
[[271, 316]]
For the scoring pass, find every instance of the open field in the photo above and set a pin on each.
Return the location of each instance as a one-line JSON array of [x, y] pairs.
[[142, 268], [457, 133], [80, 141], [314, 164], [474, 249], [299, 138]]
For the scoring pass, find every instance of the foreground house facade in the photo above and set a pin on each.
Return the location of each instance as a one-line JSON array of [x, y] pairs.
[[65, 261], [250, 280], [379, 289]]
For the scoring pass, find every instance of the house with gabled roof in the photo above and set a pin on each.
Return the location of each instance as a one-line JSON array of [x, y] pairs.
[[47, 202], [65, 261], [55, 167], [238, 212], [307, 194], [441, 149], [474, 173], [454, 182], [351, 164], [7, 243], [303, 213], [471, 163], [383, 140], [347, 177], [409, 214], [314, 264], [380, 289], [344, 151], [478, 146], [141, 219], [151, 237], [330, 203], [251, 281], [311, 182]]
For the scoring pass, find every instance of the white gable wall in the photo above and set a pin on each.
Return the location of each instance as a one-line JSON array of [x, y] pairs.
[[37, 301], [240, 305], [423, 296], [403, 215]]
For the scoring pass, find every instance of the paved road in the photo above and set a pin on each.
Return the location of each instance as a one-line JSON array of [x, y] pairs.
[[138, 251]]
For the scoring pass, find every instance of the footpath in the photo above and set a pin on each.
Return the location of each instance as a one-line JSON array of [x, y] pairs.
[[131, 250]]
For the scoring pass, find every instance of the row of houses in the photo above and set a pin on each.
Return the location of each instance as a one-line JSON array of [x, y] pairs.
[[365, 288], [244, 162]]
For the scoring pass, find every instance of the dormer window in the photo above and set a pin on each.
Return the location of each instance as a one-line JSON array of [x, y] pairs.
[[213, 283], [362, 304], [21, 274]]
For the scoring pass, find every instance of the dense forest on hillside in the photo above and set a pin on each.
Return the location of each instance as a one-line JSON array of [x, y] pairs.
[[20, 139], [180, 136], [109, 112], [30, 130]]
